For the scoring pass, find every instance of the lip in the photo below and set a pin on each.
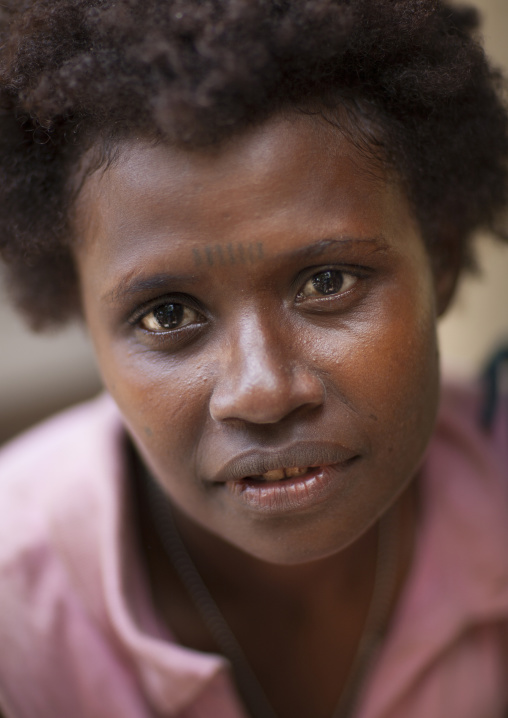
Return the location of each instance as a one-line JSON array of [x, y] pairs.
[[328, 465], [258, 461]]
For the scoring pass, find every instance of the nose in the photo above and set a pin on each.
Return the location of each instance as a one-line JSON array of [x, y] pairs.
[[263, 378]]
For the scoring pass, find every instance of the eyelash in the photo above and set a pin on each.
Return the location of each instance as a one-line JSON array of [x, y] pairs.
[[355, 273], [145, 310]]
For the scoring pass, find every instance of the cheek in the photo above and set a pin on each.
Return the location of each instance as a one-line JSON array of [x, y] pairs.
[[405, 383], [386, 367], [161, 400]]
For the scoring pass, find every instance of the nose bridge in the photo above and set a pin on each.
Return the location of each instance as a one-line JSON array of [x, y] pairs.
[[263, 376], [261, 355]]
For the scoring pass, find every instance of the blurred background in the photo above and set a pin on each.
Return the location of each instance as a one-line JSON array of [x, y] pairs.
[[40, 374]]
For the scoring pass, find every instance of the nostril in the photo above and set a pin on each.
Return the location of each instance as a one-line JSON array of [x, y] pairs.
[[268, 399]]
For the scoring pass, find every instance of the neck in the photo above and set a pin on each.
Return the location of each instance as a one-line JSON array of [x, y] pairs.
[[229, 571]]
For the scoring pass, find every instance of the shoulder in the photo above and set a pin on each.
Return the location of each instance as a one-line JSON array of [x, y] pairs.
[[51, 475], [465, 505], [445, 653], [464, 530], [50, 437], [461, 424], [58, 487]]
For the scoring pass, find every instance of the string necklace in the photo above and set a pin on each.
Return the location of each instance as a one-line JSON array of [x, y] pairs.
[[204, 603]]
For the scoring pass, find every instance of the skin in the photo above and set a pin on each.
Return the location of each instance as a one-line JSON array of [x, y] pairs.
[[236, 235]]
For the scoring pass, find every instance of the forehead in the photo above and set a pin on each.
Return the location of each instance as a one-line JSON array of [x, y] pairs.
[[295, 145], [296, 174]]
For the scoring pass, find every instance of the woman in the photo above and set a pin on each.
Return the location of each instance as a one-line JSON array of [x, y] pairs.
[[259, 210]]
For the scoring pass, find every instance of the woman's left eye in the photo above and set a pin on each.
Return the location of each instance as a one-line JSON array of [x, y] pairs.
[[170, 316], [326, 283]]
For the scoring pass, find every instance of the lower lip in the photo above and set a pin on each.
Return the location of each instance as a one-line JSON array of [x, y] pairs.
[[295, 493]]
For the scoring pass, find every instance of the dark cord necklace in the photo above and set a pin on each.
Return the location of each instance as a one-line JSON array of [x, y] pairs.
[[248, 685]]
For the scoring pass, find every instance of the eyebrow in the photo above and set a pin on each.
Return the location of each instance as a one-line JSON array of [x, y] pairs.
[[378, 244], [131, 285]]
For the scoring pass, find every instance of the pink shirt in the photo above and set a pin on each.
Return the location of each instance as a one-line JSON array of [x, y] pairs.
[[79, 637]]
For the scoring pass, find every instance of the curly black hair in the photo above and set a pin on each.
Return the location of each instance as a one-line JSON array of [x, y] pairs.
[[81, 73]]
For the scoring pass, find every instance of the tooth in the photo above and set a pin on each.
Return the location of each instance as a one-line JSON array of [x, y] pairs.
[[296, 471], [274, 475]]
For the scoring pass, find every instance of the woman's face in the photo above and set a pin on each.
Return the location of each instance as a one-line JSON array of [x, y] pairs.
[[264, 317]]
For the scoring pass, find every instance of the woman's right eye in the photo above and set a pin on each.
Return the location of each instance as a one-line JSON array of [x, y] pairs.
[[168, 317]]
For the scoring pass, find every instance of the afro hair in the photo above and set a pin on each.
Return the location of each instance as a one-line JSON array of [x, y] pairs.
[[82, 73]]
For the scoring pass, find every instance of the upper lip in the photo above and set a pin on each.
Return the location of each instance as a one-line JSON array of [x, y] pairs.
[[258, 461]]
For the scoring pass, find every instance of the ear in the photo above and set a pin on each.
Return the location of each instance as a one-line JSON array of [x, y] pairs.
[[448, 263]]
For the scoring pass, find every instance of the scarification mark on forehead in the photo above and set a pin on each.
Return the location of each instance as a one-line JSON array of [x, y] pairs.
[[238, 253]]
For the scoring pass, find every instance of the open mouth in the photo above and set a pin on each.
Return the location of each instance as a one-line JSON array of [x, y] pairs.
[[289, 489], [279, 474], [294, 478]]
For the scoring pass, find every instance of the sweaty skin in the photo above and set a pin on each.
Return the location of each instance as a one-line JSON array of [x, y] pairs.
[[269, 298]]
